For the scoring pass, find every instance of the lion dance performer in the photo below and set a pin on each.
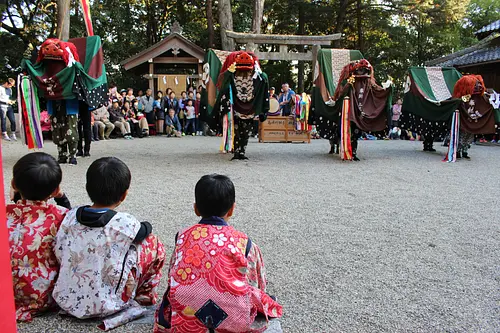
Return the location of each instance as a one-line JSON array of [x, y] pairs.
[[437, 98], [474, 115], [71, 78], [360, 105], [243, 95]]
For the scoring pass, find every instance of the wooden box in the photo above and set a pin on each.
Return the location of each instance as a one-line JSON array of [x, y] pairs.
[[281, 129]]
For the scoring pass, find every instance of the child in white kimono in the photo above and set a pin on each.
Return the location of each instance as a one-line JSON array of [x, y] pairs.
[[110, 263]]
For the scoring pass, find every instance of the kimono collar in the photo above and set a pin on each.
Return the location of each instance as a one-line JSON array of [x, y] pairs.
[[40, 203], [213, 220]]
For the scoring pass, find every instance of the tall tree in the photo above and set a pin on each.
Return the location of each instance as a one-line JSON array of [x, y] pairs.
[[63, 17], [210, 23], [226, 23], [258, 14]]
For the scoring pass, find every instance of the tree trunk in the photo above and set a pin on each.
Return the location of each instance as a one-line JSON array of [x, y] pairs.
[[359, 24], [258, 13], [339, 26], [210, 23], [63, 19], [301, 31], [226, 23]]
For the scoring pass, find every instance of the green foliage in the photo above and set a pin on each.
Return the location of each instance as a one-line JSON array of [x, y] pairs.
[[392, 34]]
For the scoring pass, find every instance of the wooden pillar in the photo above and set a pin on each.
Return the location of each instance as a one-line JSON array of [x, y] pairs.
[[315, 51], [151, 72]]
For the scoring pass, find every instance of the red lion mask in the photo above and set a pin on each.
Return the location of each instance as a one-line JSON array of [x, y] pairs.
[[55, 49], [358, 69], [469, 85], [243, 61]]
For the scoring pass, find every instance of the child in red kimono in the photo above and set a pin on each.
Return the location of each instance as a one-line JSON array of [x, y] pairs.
[[33, 223], [216, 278]]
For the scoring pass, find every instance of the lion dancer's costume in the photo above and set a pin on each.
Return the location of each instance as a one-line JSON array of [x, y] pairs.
[[474, 115], [243, 95], [359, 104], [437, 98], [71, 77]]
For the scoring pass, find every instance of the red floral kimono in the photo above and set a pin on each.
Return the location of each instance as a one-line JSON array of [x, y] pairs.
[[217, 281], [33, 226]]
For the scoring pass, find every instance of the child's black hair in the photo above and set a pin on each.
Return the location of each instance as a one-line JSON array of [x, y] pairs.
[[214, 195], [36, 176], [108, 178]]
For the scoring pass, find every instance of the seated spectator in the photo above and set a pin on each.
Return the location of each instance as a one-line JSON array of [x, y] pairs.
[[110, 262], [46, 125], [94, 127], [143, 122], [172, 124], [190, 113], [101, 118], [216, 276], [123, 97], [130, 95], [33, 223], [117, 118], [129, 115]]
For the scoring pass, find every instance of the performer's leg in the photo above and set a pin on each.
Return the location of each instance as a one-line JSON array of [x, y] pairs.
[[72, 137], [241, 128], [465, 143], [356, 134], [58, 132], [84, 116], [428, 142], [80, 138]]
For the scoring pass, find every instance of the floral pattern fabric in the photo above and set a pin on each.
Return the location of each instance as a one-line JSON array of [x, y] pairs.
[[33, 226], [103, 272], [209, 263]]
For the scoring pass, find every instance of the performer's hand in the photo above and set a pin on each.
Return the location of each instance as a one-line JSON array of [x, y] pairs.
[[262, 117]]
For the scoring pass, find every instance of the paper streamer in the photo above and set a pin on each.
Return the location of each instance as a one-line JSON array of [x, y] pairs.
[[87, 17]]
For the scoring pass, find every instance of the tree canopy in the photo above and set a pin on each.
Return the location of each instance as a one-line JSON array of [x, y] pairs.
[[392, 35]]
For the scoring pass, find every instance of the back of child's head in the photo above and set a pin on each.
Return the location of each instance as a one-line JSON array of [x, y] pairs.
[[214, 195], [108, 179], [36, 176]]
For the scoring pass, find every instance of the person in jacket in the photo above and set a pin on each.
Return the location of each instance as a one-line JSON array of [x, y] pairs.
[[117, 118], [110, 262], [147, 103], [101, 118], [172, 124]]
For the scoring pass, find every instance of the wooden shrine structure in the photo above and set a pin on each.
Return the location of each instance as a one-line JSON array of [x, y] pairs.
[[174, 62]]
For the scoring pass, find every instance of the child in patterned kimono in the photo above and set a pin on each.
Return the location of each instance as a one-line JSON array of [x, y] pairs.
[[110, 262], [33, 223], [216, 279]]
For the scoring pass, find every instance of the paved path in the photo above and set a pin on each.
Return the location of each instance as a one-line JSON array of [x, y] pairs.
[[399, 242]]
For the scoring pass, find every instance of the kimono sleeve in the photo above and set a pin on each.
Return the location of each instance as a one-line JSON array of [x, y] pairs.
[[256, 275]]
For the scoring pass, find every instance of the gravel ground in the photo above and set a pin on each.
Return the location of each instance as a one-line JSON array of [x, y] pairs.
[[399, 242]]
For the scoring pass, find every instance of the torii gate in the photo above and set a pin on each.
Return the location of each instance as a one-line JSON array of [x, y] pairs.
[[251, 42]]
